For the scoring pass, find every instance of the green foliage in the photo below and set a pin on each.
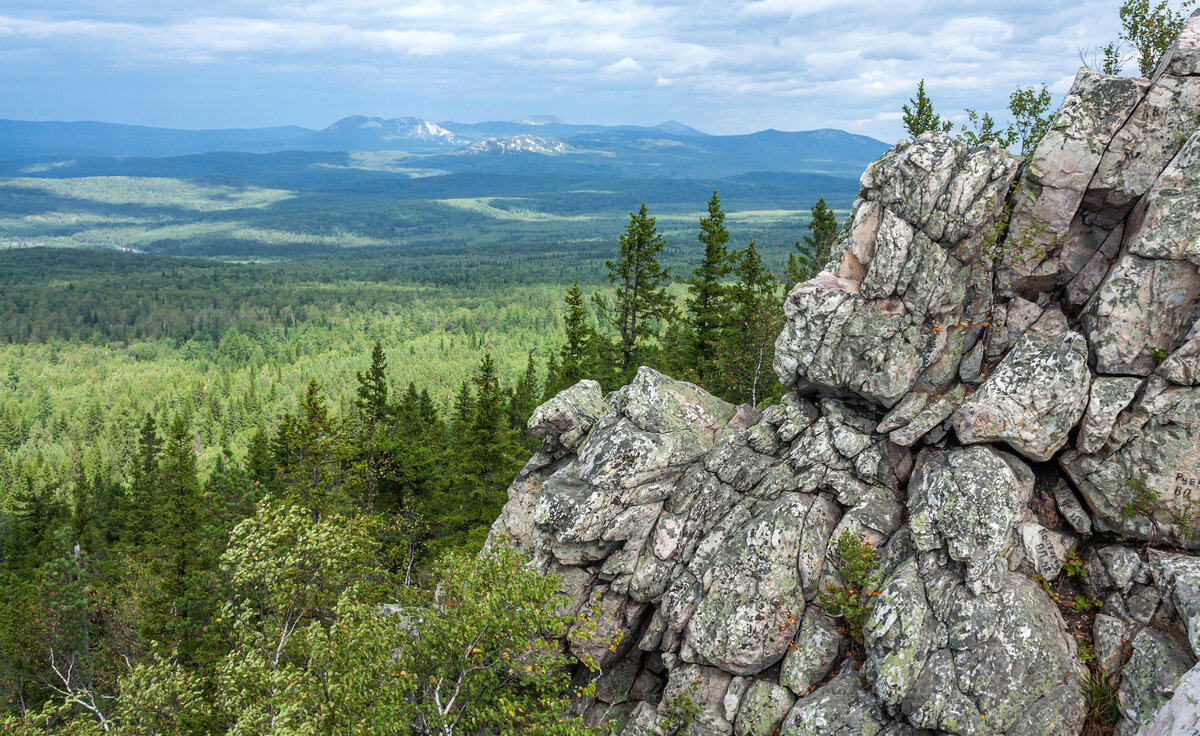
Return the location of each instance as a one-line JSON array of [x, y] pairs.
[[1149, 29], [1144, 502], [641, 302], [1030, 110], [1101, 697], [213, 517], [1073, 566], [705, 307], [919, 116], [681, 714], [1031, 120], [852, 601], [486, 659], [1084, 603], [804, 263], [746, 345]]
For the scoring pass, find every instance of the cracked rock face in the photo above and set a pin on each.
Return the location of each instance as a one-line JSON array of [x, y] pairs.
[[996, 384]]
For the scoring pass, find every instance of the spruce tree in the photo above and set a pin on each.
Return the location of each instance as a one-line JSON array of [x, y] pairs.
[[706, 292], [311, 455], [577, 356], [806, 261], [373, 391], [641, 300], [920, 117], [524, 397], [144, 497], [177, 542], [747, 345], [260, 464]]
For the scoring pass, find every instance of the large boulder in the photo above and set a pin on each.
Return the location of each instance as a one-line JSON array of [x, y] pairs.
[[910, 289], [1145, 480]]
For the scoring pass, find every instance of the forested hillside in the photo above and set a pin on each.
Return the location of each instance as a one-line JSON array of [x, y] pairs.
[[160, 415]]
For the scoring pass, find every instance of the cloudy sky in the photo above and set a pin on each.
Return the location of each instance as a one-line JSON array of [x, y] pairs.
[[725, 66]]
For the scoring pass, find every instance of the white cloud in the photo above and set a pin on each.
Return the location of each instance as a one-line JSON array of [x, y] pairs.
[[624, 66], [728, 66]]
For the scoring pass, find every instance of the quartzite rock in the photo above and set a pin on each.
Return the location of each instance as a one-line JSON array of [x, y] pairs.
[[702, 531]]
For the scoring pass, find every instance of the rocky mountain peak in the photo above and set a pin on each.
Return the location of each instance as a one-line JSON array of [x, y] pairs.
[[996, 385]]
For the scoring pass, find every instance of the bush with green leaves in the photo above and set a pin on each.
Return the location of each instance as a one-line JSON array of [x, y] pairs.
[[852, 600]]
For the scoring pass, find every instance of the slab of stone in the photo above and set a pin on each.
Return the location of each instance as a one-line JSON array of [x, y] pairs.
[[1035, 396]]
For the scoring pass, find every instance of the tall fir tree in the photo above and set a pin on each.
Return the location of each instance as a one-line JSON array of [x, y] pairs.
[[373, 392], [706, 309], [310, 452], [807, 261], [641, 301], [747, 345], [375, 414], [144, 497], [175, 610], [576, 359], [523, 398]]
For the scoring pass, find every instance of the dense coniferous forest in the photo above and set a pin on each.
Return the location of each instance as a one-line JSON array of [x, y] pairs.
[[224, 482]]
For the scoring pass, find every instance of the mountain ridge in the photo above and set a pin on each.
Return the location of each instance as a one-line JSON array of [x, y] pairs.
[[21, 140]]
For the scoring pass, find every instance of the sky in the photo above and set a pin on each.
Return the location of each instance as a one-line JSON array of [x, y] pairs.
[[723, 66]]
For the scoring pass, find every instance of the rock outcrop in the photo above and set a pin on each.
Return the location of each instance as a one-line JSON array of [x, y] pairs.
[[996, 385]]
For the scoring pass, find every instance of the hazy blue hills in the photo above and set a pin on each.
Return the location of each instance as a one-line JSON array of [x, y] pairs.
[[670, 149], [23, 139]]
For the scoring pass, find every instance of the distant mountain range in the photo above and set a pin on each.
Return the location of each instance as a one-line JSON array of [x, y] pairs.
[[530, 145]]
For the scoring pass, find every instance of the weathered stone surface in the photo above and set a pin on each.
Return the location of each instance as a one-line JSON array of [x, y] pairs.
[[1181, 715], [763, 708], [705, 688], [1151, 462], [967, 500], [567, 418], [1109, 637], [1178, 576], [1149, 677], [1040, 251], [813, 653], [999, 663], [1035, 396], [1046, 550], [1142, 311], [895, 315], [752, 600], [1071, 510], [1108, 397], [841, 708], [938, 410]]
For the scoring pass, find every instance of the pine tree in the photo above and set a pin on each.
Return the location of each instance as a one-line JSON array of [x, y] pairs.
[[144, 497], [641, 299], [373, 391], [524, 397], [747, 346], [489, 449], [577, 356], [920, 117], [805, 262], [707, 293], [310, 453]]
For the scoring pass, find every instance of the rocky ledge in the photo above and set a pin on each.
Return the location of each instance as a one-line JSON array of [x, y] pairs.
[[996, 385]]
